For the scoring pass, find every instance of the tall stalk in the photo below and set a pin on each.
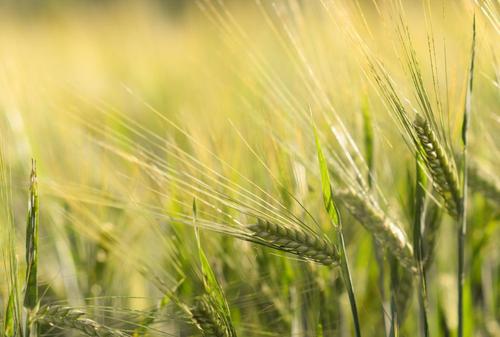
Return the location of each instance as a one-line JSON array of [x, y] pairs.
[[336, 222], [420, 184], [463, 209], [369, 147], [346, 276], [31, 287]]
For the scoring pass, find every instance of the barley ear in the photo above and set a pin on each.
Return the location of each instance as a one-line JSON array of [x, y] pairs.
[[70, 318], [443, 173], [385, 231], [208, 318], [295, 241]]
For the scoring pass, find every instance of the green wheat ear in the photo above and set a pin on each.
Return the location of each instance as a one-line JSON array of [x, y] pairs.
[[208, 318], [444, 174], [70, 318], [295, 241], [31, 290], [385, 231]]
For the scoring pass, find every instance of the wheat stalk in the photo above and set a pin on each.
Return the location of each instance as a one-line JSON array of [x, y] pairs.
[[386, 232], [295, 241], [70, 318], [444, 175]]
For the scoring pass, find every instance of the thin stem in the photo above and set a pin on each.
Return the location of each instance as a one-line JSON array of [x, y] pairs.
[[463, 207], [394, 332], [419, 216], [461, 250], [346, 275]]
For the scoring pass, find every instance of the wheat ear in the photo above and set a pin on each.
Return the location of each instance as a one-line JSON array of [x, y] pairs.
[[70, 318], [386, 232], [295, 241], [207, 318], [444, 174]]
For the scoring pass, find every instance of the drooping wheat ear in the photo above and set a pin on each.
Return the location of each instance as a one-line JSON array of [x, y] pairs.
[[208, 320], [70, 318], [482, 183], [385, 231], [444, 174], [295, 241]]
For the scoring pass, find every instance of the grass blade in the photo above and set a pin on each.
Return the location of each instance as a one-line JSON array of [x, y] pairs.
[[31, 291], [463, 214], [9, 324], [31, 286], [337, 224], [213, 304]]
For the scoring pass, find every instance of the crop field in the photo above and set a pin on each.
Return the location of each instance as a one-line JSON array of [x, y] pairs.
[[250, 168]]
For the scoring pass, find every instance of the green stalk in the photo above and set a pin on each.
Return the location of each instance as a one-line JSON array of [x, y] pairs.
[[463, 209], [31, 286], [346, 276], [336, 221], [370, 163], [417, 241], [394, 332]]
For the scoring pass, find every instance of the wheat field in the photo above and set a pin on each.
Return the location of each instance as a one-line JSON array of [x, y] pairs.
[[249, 168]]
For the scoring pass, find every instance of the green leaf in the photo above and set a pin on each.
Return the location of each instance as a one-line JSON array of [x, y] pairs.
[[9, 325], [210, 283], [326, 185], [31, 290], [334, 214], [468, 96]]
